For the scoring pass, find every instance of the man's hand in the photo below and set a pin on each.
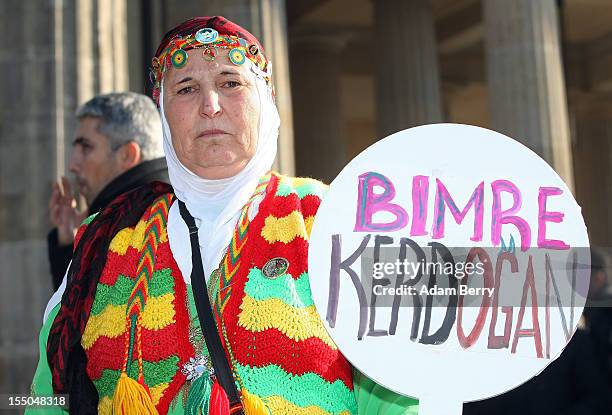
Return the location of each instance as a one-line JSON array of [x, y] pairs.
[[63, 212]]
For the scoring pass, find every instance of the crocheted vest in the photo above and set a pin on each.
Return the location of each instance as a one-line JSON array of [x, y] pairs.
[[274, 339]]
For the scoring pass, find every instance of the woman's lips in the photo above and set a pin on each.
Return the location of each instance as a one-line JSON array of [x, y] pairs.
[[211, 133]]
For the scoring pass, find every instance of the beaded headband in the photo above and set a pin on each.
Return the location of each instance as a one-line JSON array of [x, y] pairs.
[[208, 39]]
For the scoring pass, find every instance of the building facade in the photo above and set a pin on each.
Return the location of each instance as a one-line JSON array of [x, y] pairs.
[[347, 72]]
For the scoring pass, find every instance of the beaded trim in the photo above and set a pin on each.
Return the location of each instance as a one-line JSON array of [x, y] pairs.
[[208, 39]]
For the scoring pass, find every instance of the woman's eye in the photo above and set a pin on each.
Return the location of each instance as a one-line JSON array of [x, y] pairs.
[[231, 84], [186, 90]]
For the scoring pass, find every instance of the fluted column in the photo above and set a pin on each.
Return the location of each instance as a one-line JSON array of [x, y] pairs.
[[525, 78], [315, 70], [407, 80], [90, 58]]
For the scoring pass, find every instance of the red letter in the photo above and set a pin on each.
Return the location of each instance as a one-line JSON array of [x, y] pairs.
[[483, 257], [535, 331]]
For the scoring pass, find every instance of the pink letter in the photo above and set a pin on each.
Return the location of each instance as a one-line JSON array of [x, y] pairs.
[[499, 217], [368, 203], [544, 216], [443, 199], [420, 196]]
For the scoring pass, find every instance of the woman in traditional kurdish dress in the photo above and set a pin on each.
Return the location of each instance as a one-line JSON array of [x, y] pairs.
[[124, 333]]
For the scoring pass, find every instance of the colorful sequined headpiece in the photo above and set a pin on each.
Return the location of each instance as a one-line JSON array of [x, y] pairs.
[[208, 34]]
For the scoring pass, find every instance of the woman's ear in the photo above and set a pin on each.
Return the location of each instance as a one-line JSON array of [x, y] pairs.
[[129, 155]]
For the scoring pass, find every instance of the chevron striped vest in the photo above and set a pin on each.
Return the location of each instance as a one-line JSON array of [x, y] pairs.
[[279, 351]]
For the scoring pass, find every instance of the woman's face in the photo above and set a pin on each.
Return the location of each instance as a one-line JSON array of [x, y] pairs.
[[212, 109]]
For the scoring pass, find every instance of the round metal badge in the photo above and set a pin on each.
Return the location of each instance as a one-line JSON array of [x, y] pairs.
[[253, 50], [179, 58], [206, 35], [275, 267], [237, 57]]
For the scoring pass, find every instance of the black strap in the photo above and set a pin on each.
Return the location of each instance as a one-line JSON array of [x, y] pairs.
[[222, 368]]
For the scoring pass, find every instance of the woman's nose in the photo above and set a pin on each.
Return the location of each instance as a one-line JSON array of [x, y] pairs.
[[210, 106]]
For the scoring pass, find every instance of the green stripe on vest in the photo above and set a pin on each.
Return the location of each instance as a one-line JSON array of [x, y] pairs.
[[272, 380], [295, 293], [118, 294]]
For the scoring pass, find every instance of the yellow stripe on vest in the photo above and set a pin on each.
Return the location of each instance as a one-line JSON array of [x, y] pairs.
[[284, 229], [308, 222], [281, 406], [296, 323], [109, 323], [121, 241], [132, 237], [158, 313]]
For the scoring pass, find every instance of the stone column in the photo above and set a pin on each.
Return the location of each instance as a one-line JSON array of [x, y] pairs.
[[56, 54], [91, 58], [102, 45], [266, 20], [407, 81], [27, 146], [525, 78], [316, 69]]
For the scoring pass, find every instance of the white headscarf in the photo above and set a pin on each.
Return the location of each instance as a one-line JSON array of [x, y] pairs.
[[216, 204]]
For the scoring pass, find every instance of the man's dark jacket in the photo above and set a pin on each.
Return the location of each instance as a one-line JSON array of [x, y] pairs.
[[573, 384], [145, 172]]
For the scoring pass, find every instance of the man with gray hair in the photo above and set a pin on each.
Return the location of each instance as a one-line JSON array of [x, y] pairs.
[[117, 147]]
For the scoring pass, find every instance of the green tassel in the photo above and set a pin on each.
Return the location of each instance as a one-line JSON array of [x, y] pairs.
[[198, 398]]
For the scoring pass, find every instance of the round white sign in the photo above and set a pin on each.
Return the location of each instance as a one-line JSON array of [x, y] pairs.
[[449, 263]]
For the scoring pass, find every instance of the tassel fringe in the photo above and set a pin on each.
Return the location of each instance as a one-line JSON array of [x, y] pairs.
[[253, 405], [219, 402], [132, 398], [207, 399], [198, 399]]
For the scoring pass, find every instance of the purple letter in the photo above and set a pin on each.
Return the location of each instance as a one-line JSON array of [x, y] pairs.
[[368, 203], [544, 216], [499, 217], [443, 199]]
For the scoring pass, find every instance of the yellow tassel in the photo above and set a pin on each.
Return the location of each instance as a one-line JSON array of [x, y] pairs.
[[131, 398], [253, 405]]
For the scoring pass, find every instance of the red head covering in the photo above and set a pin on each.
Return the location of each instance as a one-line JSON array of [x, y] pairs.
[[182, 38]]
